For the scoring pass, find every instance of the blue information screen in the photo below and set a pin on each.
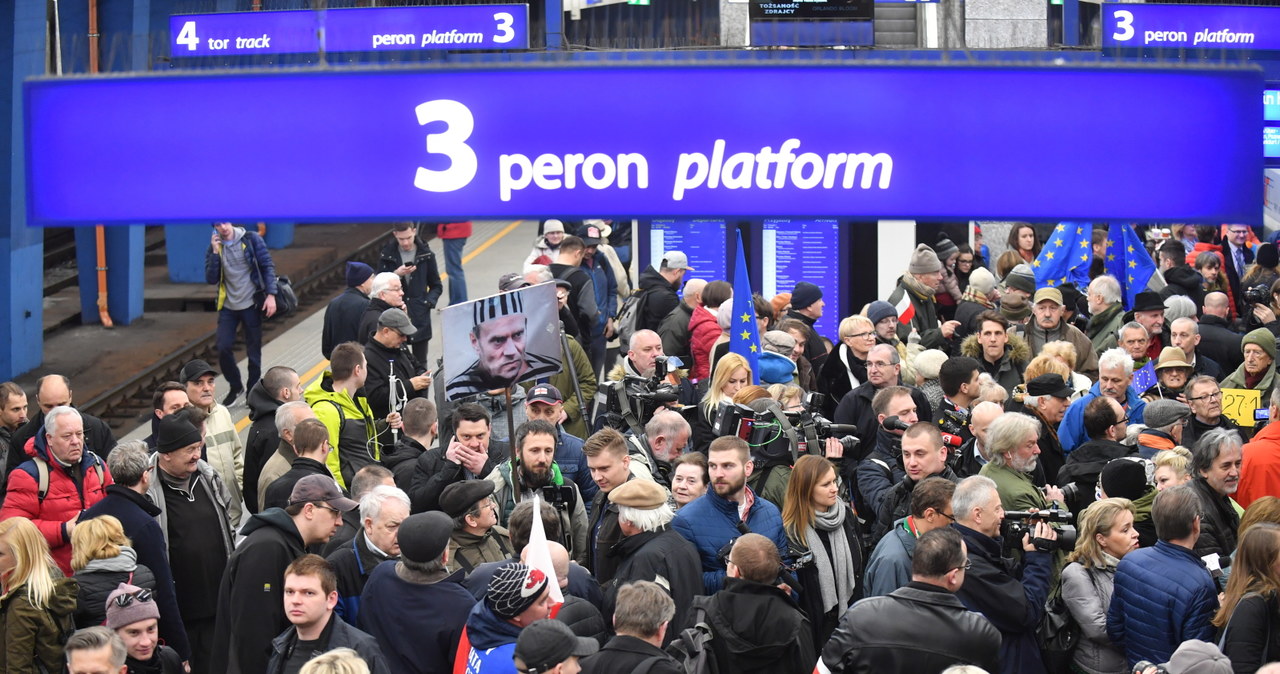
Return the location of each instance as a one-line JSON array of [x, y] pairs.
[[1271, 142], [795, 250], [1271, 105], [702, 240], [342, 145], [454, 27]]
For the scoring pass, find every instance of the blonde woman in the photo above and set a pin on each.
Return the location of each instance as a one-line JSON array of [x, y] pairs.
[[731, 374], [336, 661], [1106, 535], [1065, 352], [37, 604], [102, 558]]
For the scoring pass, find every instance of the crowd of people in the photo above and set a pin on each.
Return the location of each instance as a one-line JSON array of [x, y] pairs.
[[976, 473]]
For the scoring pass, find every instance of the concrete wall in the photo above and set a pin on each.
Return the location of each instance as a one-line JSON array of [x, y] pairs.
[[1006, 24]]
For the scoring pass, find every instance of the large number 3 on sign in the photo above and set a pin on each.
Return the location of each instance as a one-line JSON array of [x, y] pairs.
[[451, 143], [1124, 25]]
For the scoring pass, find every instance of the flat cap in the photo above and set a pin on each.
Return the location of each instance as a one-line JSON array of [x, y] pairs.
[[639, 493], [457, 498]]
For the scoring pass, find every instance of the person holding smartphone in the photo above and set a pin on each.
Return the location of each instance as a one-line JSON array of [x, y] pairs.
[[238, 262]]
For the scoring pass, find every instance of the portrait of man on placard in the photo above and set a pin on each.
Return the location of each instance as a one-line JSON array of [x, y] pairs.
[[498, 341]]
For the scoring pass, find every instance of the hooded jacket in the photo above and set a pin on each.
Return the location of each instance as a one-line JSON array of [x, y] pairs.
[[889, 566], [417, 623], [33, 637], [71, 490], [262, 271], [263, 440], [660, 299], [758, 628], [925, 319], [1008, 371], [877, 474], [100, 577], [491, 642], [138, 516], [251, 598], [353, 430], [422, 288]]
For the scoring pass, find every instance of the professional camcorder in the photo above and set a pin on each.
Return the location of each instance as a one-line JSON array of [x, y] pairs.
[[630, 403], [1017, 523], [777, 437]]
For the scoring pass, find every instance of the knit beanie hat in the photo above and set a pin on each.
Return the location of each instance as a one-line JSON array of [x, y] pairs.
[[1014, 308], [929, 362], [1022, 278], [1263, 339], [137, 605], [173, 433], [1268, 256], [880, 310], [780, 302], [804, 294], [1178, 306], [924, 261], [357, 273], [513, 589], [982, 280], [945, 248], [778, 341], [1122, 478]]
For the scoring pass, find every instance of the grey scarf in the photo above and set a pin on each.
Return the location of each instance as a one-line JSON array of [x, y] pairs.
[[835, 572]]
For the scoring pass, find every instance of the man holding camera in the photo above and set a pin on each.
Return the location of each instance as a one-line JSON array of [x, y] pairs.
[[1012, 597], [533, 470]]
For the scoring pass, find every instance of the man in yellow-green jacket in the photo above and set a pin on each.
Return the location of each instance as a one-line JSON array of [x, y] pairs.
[[354, 433]]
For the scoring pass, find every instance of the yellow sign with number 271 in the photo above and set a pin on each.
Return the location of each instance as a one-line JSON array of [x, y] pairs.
[[1239, 404]]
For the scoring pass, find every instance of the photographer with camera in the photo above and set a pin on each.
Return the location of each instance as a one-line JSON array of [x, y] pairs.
[[531, 469], [1010, 595]]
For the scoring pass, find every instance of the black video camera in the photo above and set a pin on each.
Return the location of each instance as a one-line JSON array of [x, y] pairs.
[[1259, 294], [810, 419], [1018, 523], [630, 403]]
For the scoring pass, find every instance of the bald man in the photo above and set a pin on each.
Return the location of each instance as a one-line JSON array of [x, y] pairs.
[[972, 455], [1217, 338]]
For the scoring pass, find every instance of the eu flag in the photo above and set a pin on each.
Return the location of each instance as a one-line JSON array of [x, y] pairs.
[[744, 334], [1065, 256], [1128, 262]]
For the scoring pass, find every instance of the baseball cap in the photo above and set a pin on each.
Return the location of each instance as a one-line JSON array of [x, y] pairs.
[[548, 642], [397, 320], [512, 281], [195, 370], [590, 235], [544, 393], [321, 488], [1052, 294], [675, 260]]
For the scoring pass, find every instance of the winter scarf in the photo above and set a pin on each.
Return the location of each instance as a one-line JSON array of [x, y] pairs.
[[835, 572]]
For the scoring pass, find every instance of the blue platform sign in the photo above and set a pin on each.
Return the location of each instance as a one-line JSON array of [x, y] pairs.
[[1271, 105], [848, 141], [1146, 26], [454, 27]]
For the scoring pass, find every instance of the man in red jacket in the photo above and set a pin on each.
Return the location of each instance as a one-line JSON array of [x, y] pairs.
[[74, 479]]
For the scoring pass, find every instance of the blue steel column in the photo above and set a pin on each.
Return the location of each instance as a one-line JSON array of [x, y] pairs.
[[1071, 23], [555, 24], [22, 54], [124, 28]]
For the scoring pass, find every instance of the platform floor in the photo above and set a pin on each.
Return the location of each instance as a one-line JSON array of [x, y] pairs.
[[496, 247]]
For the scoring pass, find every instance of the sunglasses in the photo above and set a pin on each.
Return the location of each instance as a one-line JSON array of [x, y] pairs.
[[124, 600]]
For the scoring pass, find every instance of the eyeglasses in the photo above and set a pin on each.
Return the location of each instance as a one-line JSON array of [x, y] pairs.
[[968, 564], [863, 335], [1124, 420], [873, 365], [964, 261], [1207, 396], [124, 600], [947, 515], [327, 507]]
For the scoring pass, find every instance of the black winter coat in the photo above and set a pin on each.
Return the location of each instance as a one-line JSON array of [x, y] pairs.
[[352, 563], [369, 319], [883, 634], [433, 472], [674, 331], [1219, 342], [1011, 598], [251, 597], [422, 288], [97, 583], [138, 516], [650, 554], [262, 442], [278, 492], [660, 298], [401, 459], [897, 503], [583, 618], [758, 628], [377, 389], [339, 635], [625, 654], [823, 624], [833, 378], [1083, 467], [342, 320], [1253, 633]]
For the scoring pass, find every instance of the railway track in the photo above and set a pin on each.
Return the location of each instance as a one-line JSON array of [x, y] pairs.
[[129, 403]]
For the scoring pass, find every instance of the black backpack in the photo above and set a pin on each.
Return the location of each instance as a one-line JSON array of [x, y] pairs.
[[692, 649]]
